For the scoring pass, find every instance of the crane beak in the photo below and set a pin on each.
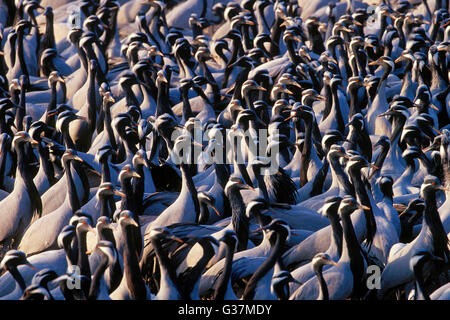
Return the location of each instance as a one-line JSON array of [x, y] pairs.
[[119, 193], [215, 210], [31, 266], [333, 60], [434, 107], [195, 143], [110, 98], [321, 98], [363, 207], [136, 175], [260, 88], [332, 263], [176, 239], [427, 149], [439, 132], [295, 84], [245, 186], [347, 29], [290, 117]]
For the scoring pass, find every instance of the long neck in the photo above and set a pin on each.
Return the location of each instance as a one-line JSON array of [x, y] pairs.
[[408, 174], [306, 153], [263, 269], [341, 176], [382, 84], [21, 110], [107, 125], [397, 128], [162, 105], [211, 81], [25, 174], [433, 222], [49, 33], [74, 202], [66, 137], [106, 171], [354, 103], [351, 250], [262, 186], [222, 283], [239, 220], [20, 57], [363, 197], [83, 260], [407, 80], [97, 277], [316, 40], [242, 76], [168, 273], [419, 284], [248, 44], [337, 111], [188, 185], [51, 106], [336, 239], [291, 51], [44, 162], [82, 55], [233, 59], [275, 35], [138, 187], [248, 100], [187, 111], [92, 107], [107, 206], [130, 96], [128, 202], [18, 277], [328, 102], [135, 283], [323, 293]]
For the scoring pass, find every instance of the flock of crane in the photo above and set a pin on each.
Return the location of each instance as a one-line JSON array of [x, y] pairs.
[[225, 150]]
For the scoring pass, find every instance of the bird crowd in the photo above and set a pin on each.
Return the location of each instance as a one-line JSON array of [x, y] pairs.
[[224, 150]]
